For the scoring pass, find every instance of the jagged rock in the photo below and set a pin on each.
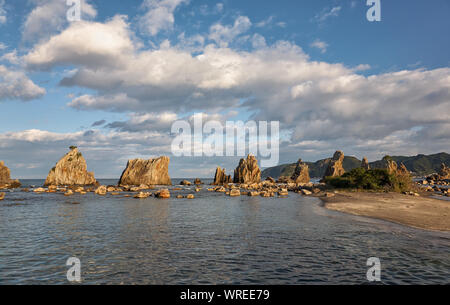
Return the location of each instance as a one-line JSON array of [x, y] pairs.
[[149, 172], [197, 181], [391, 166], [335, 168], [185, 182], [163, 194], [5, 177], [101, 190], [235, 193], [70, 170], [301, 173], [247, 171], [444, 172], [402, 170], [220, 178], [365, 164], [2, 196]]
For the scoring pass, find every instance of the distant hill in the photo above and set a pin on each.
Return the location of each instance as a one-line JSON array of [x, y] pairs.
[[420, 165]]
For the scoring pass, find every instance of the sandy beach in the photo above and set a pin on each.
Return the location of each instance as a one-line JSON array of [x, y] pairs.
[[419, 212]]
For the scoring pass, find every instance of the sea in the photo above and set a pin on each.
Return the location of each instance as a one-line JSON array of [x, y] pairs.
[[212, 239]]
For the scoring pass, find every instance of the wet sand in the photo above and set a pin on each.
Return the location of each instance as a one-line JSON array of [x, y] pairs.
[[418, 212]]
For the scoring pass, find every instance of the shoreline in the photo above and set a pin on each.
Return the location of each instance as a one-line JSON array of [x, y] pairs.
[[422, 212]]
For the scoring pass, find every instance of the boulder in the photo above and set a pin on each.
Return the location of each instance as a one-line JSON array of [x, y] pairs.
[[365, 164], [70, 170], [283, 192], [220, 178], [301, 173], [185, 182], [148, 172], [235, 193], [190, 196], [101, 190], [142, 195], [5, 177], [247, 171], [197, 181], [68, 193], [163, 194], [335, 168]]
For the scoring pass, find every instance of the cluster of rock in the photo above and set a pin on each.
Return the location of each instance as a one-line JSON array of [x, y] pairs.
[[70, 170], [149, 172], [5, 178], [247, 171]]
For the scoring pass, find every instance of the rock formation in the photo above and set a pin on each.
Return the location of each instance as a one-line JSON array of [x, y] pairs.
[[402, 170], [247, 171], [444, 172], [365, 164], [70, 170], [335, 168], [5, 177], [220, 178], [301, 173], [149, 172]]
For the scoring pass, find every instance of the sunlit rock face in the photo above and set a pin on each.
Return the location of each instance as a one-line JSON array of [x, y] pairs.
[[247, 171], [71, 170], [301, 173], [220, 178], [148, 172], [336, 168], [5, 177]]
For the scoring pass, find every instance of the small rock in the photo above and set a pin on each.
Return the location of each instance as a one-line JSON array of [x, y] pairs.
[[2, 196], [142, 195], [180, 197], [68, 193], [101, 190], [190, 196], [306, 192], [185, 182], [39, 190], [235, 193], [163, 194]]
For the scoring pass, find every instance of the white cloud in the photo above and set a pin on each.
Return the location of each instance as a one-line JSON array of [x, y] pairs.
[[327, 13], [316, 101], [49, 17], [3, 17], [2, 46], [265, 22], [10, 57], [17, 86], [321, 45], [159, 16], [223, 35]]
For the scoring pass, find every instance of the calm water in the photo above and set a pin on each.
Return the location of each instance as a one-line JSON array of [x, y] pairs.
[[210, 240]]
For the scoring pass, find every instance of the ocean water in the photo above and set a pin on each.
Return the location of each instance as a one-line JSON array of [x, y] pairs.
[[212, 239]]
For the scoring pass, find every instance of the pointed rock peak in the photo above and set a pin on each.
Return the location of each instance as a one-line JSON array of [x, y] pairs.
[[71, 170]]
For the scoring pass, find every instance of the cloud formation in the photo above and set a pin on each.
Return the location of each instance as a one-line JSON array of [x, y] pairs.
[[2, 12], [159, 16], [15, 85], [49, 17]]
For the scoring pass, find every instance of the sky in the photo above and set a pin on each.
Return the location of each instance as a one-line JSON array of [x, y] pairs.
[[114, 82]]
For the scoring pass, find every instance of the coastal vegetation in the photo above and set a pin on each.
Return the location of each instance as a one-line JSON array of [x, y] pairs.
[[372, 179]]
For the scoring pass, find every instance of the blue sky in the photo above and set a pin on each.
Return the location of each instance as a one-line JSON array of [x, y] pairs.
[[369, 88]]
